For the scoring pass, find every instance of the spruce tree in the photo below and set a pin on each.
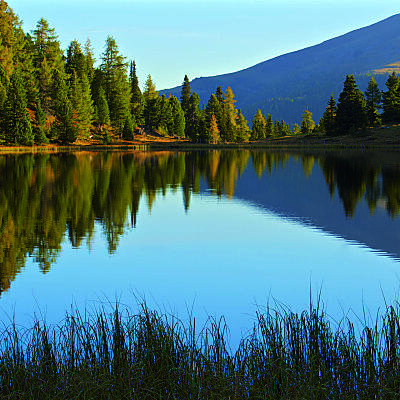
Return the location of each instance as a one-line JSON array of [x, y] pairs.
[[351, 109], [259, 125], [151, 109], [18, 128], [373, 102], [137, 100], [391, 100], [329, 116]]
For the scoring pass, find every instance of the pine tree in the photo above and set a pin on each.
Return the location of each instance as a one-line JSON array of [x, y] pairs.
[[40, 127], [82, 103], [307, 123], [185, 94], [285, 128], [178, 117], [194, 118], [102, 111], [329, 116], [18, 128], [116, 86], [90, 61], [47, 58], [373, 102], [351, 109], [259, 125], [137, 100], [151, 109], [296, 129], [213, 107], [127, 133], [64, 124], [391, 100], [242, 129], [269, 129]]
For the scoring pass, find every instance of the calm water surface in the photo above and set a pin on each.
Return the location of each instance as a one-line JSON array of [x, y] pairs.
[[218, 233]]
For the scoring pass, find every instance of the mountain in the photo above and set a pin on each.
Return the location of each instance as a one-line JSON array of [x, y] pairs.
[[288, 84]]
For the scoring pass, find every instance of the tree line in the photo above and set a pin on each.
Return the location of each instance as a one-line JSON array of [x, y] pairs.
[[48, 96]]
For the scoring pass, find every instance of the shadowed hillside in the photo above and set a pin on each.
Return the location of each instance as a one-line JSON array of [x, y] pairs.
[[286, 85]]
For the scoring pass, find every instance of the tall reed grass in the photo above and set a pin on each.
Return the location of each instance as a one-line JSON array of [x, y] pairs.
[[151, 355]]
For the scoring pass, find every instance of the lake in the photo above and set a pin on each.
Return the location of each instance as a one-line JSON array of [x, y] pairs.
[[210, 233]]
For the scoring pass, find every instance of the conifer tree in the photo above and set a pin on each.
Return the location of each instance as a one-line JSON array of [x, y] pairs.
[[220, 95], [242, 129], [351, 109], [329, 116], [137, 100], [40, 126], [102, 111], [213, 107], [127, 132], [285, 128], [259, 124], [307, 123], [229, 114], [90, 61], [165, 118], [116, 86], [391, 100], [178, 117], [185, 94], [151, 109], [18, 128], [213, 131], [277, 128], [296, 129], [269, 128], [47, 58], [64, 124], [194, 118], [373, 102]]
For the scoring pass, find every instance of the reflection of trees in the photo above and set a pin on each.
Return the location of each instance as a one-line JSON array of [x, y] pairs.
[[355, 178], [44, 199]]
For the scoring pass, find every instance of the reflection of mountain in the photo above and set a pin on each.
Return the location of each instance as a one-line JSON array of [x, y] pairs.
[[289, 193]]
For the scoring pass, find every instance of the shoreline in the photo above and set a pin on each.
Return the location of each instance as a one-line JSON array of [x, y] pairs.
[[373, 138]]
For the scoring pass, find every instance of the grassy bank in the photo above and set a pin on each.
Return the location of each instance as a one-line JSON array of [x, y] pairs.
[[153, 356], [371, 138]]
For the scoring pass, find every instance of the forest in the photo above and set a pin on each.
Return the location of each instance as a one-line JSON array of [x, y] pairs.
[[51, 96]]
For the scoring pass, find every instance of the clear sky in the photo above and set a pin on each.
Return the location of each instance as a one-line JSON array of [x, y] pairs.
[[171, 38]]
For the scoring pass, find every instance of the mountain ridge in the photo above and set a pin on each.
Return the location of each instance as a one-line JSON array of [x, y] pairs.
[[287, 84]]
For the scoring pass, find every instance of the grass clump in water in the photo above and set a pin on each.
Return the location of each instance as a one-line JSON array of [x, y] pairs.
[[149, 355]]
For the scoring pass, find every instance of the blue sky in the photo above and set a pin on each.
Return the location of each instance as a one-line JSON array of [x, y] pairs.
[[171, 38]]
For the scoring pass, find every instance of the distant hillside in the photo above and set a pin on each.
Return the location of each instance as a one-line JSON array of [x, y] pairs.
[[286, 85]]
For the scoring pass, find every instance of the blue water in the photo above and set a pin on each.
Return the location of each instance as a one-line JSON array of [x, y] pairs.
[[224, 255]]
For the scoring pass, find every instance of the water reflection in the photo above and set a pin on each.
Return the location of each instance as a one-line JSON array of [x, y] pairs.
[[47, 198]]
